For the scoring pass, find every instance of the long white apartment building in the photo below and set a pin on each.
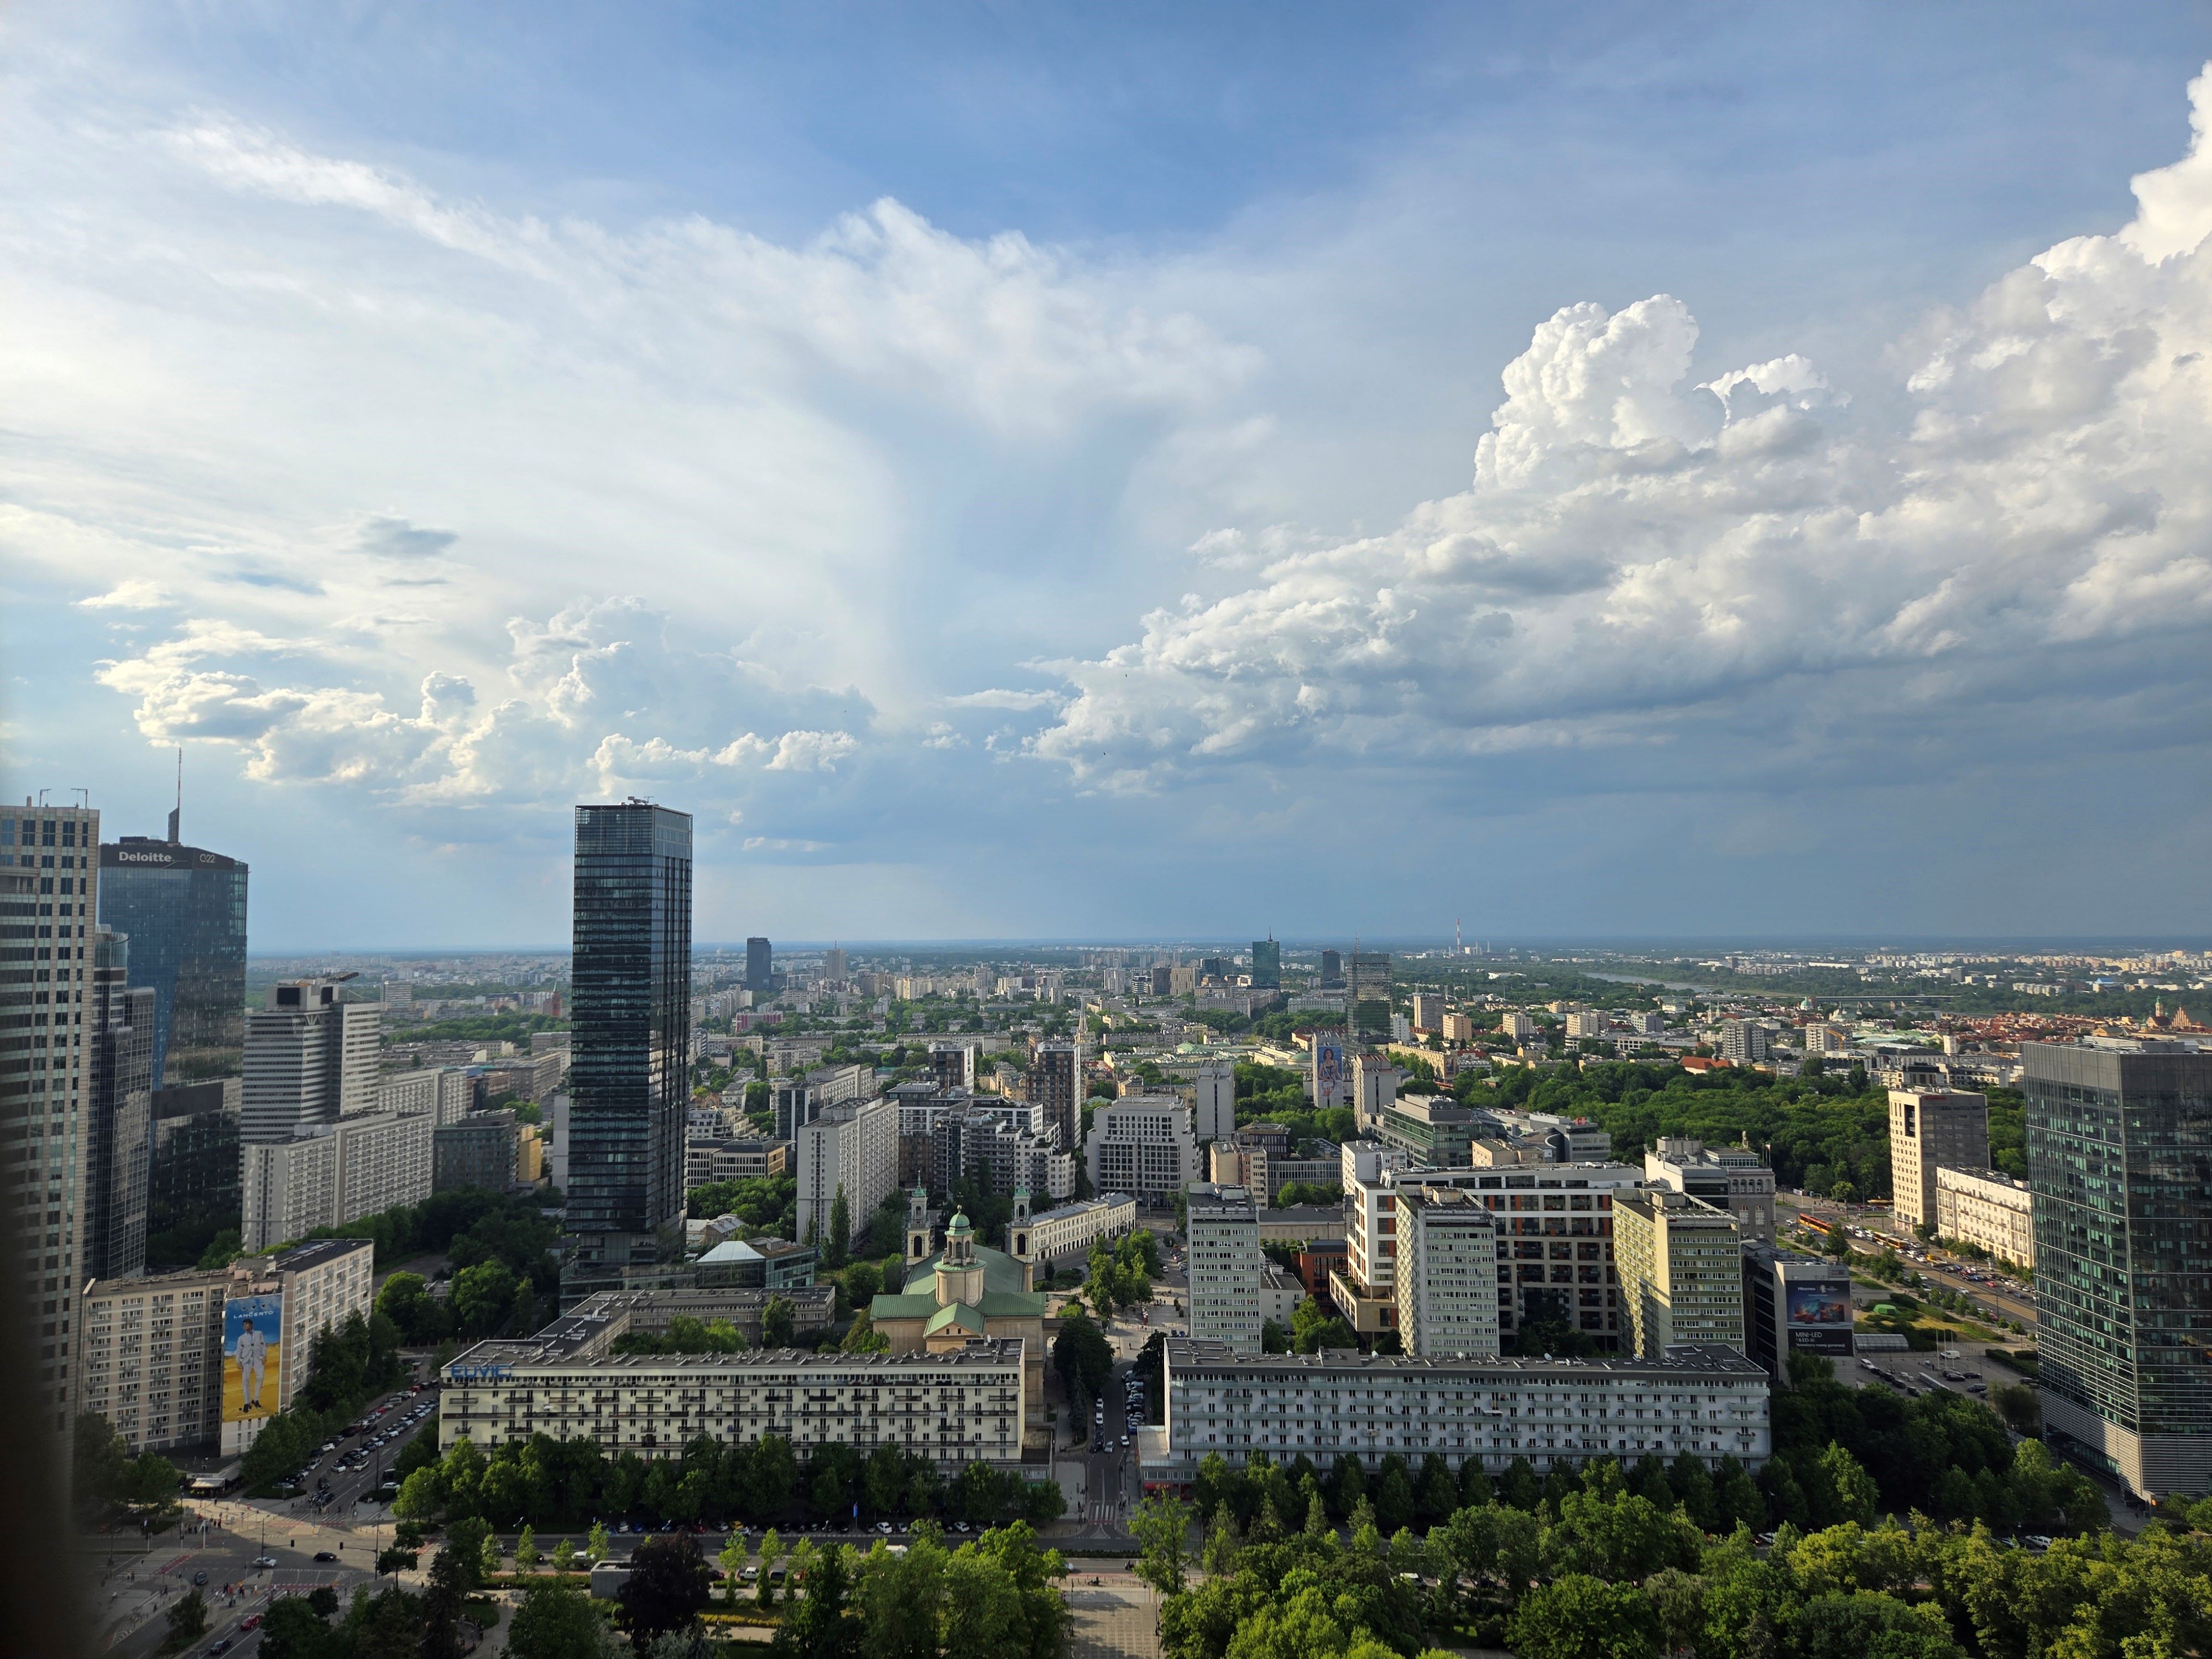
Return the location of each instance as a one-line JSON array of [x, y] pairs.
[[1142, 1145], [959, 1406], [1446, 1277], [1555, 1244], [1222, 1226], [1067, 1231], [447, 1092], [1987, 1209], [852, 1147], [1711, 1402], [332, 1173]]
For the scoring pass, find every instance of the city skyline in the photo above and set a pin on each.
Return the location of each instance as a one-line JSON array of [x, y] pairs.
[[1612, 477]]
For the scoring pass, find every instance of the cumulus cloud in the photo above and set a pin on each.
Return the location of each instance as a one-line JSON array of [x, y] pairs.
[[134, 595], [1636, 550]]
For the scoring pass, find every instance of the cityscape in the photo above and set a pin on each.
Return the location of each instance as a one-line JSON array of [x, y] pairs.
[[1216, 832]]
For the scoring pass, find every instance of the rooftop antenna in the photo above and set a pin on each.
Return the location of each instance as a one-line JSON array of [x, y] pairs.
[[177, 811]]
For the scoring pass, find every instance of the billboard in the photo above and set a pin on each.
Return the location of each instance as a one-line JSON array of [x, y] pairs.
[[1327, 1070], [1819, 1315], [253, 1358]]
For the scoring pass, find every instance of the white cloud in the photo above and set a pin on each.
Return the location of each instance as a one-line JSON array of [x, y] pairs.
[[1639, 558], [134, 595]]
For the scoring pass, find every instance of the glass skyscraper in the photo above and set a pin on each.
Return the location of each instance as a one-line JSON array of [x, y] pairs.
[[631, 1040], [119, 1115], [2119, 1158], [1266, 964], [183, 909]]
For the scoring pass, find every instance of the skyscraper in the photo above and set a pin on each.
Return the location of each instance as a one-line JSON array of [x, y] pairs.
[[630, 1041], [119, 1112], [183, 910], [1332, 969], [1369, 999], [760, 966], [1055, 1083], [1266, 964], [311, 1059], [2119, 1162], [50, 891]]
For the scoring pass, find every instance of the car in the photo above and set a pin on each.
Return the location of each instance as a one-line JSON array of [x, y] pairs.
[[960, 1526], [265, 1562], [200, 1577], [251, 1621], [220, 1646], [884, 1527]]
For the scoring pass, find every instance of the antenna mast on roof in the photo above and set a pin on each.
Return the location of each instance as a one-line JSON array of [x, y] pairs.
[[177, 811]]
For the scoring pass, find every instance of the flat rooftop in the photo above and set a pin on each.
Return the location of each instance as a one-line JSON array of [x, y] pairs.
[[1704, 1360]]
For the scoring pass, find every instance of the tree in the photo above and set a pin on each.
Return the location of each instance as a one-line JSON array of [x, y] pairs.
[[464, 1541], [442, 1601], [98, 1462], [595, 1543], [1083, 1357], [564, 1556], [666, 1589], [818, 1627], [1857, 1497], [1579, 1617], [556, 1620], [482, 1298], [1162, 1524], [1837, 1626], [406, 1301], [526, 1549], [188, 1621], [422, 1495], [732, 1559], [293, 1628], [1274, 1338], [776, 1322], [771, 1552]]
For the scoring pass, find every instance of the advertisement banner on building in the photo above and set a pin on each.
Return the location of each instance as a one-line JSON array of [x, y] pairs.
[[1818, 1313], [252, 1356], [1327, 1070]]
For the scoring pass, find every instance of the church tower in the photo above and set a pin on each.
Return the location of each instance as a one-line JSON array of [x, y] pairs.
[[959, 1270], [1018, 1228], [917, 1224]]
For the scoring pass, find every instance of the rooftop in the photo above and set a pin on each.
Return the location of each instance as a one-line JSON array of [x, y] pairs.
[[317, 1251], [1687, 1360], [981, 1351]]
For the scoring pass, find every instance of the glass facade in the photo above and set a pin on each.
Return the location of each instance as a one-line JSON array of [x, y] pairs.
[[119, 1115], [631, 1042], [1266, 964], [760, 967], [2120, 1156], [183, 908]]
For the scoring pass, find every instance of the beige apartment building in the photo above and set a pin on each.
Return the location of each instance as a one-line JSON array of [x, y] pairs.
[[1987, 1209], [1681, 1271], [150, 1360], [1928, 1129], [1446, 1282]]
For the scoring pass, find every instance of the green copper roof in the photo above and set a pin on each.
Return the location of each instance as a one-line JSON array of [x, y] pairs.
[[970, 1319]]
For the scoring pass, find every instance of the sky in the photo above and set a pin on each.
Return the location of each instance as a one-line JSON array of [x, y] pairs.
[[1073, 472]]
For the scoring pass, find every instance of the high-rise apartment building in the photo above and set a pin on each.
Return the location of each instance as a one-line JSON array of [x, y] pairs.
[[1743, 1041], [1142, 1145], [150, 1359], [1446, 1281], [1929, 1128], [2119, 1162], [1428, 1011], [1681, 1270], [49, 892], [832, 963], [1733, 1178], [1266, 964], [1223, 1230], [952, 1063], [330, 1173], [310, 1058], [119, 1114], [183, 908], [760, 966], [1055, 1083], [631, 1040], [851, 1148]]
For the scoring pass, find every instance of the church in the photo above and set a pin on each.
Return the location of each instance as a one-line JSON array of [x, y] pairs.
[[965, 1290]]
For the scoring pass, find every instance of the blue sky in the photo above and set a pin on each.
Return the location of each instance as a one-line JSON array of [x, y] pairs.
[[1052, 472]]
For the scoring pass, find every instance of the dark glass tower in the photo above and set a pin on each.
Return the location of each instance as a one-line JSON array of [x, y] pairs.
[[1266, 964], [183, 909], [760, 967], [2119, 1159], [630, 1044], [119, 1115]]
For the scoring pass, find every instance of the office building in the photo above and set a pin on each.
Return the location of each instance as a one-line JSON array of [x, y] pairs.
[[760, 967], [1266, 965], [194, 1167], [1989, 1210], [1331, 971], [1707, 1402], [1142, 1145], [1434, 1132], [2119, 1160], [333, 1172], [1733, 1178], [1055, 1083], [833, 964], [1928, 1129], [1223, 1227], [1794, 1304], [150, 1359], [955, 1405], [50, 884], [183, 910], [298, 1295], [1375, 1083], [629, 1041], [480, 1150], [852, 1148], [1066, 1232], [952, 1063], [1236, 1163], [119, 1114], [1369, 995], [311, 1059], [1459, 1028], [767, 1264], [1680, 1261], [1446, 1281], [717, 1160], [1428, 1011], [1213, 1102]]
